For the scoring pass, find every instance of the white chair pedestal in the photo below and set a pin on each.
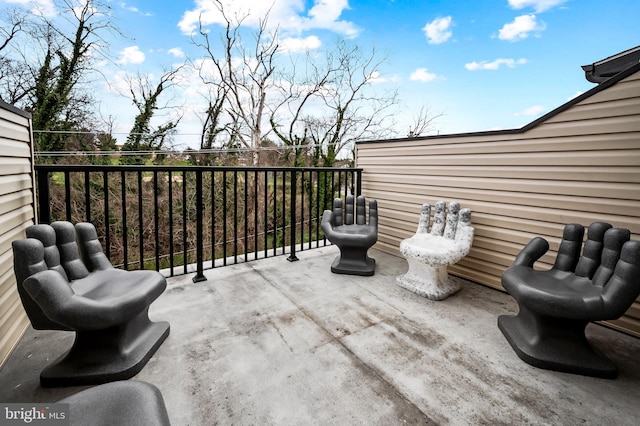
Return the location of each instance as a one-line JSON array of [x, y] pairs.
[[430, 281], [430, 253]]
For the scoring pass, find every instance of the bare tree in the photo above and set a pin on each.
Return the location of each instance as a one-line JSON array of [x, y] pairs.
[[13, 23], [244, 71], [13, 73], [352, 109], [145, 96], [422, 122], [70, 49], [46, 61], [298, 90]]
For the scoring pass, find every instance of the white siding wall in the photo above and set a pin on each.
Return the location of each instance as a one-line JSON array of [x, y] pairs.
[[16, 213], [580, 164]]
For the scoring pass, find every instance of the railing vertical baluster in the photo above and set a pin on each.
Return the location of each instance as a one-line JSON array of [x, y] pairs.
[[348, 189], [213, 219], [44, 197], [156, 219], [125, 240], [310, 207], [171, 242], [107, 222], [185, 240], [319, 209], [284, 210], [266, 210], [292, 214], [87, 195], [224, 217], [333, 185], [246, 213], [358, 182], [199, 234], [275, 211], [255, 214], [140, 221], [235, 216], [302, 210], [67, 194]]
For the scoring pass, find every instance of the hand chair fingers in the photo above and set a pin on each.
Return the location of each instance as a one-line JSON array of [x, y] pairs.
[[452, 220], [360, 211], [348, 210], [464, 218], [592, 250], [90, 247], [337, 212], [373, 213], [425, 219], [613, 241], [439, 219], [624, 285], [533, 251], [464, 230], [569, 250]]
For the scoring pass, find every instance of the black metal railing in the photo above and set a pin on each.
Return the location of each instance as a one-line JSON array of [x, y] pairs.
[[183, 219]]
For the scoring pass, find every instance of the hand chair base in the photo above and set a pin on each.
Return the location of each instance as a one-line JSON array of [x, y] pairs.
[[354, 264], [554, 344], [101, 356], [430, 281]]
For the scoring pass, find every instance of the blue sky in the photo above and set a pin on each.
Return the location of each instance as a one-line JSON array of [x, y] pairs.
[[483, 64]]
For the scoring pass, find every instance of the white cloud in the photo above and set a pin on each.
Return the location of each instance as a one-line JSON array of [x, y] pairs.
[[439, 30], [494, 65], [44, 8], [376, 78], [291, 44], [423, 75], [538, 5], [134, 9], [520, 28], [532, 111], [287, 15], [129, 8], [176, 52], [131, 55]]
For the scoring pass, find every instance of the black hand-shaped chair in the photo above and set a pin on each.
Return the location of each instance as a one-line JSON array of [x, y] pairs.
[[557, 304], [352, 235], [122, 403], [69, 285]]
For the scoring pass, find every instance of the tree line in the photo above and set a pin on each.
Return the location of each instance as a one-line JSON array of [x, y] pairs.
[[308, 106]]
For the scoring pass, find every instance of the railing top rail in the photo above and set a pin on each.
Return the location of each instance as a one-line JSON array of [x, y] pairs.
[[133, 168]]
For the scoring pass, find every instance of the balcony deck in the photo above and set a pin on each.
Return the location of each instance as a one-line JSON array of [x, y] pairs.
[[274, 342]]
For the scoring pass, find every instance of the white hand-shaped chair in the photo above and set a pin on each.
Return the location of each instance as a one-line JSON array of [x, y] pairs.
[[429, 253]]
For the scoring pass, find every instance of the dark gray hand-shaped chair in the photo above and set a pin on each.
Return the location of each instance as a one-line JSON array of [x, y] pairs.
[[122, 403], [557, 304], [352, 235], [72, 286]]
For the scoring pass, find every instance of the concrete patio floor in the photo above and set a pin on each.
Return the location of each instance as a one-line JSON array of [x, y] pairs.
[[278, 342]]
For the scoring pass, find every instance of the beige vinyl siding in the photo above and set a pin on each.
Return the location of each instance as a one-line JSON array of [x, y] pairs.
[[16, 213], [580, 163]]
